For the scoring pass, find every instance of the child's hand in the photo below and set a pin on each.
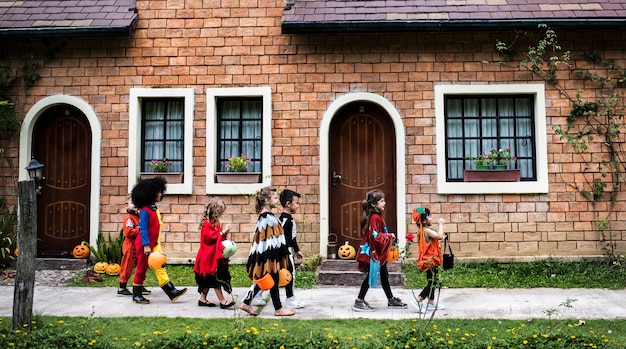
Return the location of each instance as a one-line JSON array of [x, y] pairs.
[[227, 228], [147, 250], [442, 221]]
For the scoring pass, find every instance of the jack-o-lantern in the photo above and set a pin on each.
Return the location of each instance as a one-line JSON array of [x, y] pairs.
[[100, 267], [15, 252], [81, 251], [113, 269], [393, 255], [346, 251], [229, 248], [284, 277], [156, 260]]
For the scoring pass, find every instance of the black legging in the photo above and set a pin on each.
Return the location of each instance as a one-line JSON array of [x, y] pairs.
[[384, 282], [431, 279]]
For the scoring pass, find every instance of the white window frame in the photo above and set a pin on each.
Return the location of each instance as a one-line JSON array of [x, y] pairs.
[[134, 135], [212, 95], [538, 186]]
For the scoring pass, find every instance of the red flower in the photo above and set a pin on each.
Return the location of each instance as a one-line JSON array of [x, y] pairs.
[[410, 237]]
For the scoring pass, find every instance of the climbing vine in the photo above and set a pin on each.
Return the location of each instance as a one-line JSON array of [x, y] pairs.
[[594, 128]]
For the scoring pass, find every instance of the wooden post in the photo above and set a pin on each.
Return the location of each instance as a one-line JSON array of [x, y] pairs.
[[26, 258]]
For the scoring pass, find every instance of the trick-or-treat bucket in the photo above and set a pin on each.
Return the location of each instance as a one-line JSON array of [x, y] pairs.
[[266, 282], [332, 246]]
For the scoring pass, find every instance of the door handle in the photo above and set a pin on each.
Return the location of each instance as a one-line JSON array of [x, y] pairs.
[[336, 177]]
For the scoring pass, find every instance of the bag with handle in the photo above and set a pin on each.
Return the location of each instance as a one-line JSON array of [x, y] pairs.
[[448, 258]]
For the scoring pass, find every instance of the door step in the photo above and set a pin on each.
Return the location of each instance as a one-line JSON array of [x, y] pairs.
[[344, 273], [62, 263]]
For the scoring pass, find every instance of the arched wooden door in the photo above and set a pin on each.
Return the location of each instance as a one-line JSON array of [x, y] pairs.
[[362, 153], [62, 142]]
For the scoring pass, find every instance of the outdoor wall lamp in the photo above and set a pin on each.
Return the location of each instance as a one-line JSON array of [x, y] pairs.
[[35, 172]]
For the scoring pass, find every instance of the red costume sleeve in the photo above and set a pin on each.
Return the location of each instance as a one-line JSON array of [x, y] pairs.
[[210, 249]]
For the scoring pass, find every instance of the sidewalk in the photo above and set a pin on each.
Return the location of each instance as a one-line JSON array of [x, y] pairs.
[[334, 303]]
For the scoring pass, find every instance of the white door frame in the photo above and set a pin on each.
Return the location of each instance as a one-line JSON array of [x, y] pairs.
[[325, 158], [26, 136]]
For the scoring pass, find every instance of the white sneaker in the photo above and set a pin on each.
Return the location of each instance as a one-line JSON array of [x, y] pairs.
[[293, 303], [421, 307], [258, 299], [438, 306]]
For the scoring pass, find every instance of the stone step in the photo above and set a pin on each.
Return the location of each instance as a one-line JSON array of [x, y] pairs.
[[344, 273], [62, 264]]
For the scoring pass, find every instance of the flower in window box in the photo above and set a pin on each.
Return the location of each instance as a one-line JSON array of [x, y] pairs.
[[481, 160], [502, 156], [238, 163], [160, 165]]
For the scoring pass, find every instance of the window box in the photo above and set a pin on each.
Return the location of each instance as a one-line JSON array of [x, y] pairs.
[[170, 177], [491, 175], [238, 177]]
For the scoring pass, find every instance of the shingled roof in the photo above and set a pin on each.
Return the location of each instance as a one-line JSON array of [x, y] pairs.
[[315, 16], [30, 18]]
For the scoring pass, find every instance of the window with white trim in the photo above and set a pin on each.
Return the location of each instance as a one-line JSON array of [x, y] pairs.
[[238, 122], [475, 118], [161, 126]]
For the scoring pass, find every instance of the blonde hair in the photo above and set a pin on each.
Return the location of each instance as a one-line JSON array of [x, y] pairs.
[[214, 209]]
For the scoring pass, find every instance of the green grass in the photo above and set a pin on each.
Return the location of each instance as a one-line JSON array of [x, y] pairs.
[[245, 332], [548, 273]]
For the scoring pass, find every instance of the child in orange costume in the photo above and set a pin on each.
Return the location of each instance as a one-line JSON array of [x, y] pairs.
[[129, 258], [429, 256]]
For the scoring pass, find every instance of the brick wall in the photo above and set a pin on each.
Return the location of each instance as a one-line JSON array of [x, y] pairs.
[[207, 44]]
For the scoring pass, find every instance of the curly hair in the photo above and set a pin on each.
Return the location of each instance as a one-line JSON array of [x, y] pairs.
[[214, 209], [146, 191]]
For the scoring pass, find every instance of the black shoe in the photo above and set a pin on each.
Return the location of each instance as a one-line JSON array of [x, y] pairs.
[[172, 292], [395, 302], [206, 304], [138, 297], [227, 306], [145, 290], [124, 292]]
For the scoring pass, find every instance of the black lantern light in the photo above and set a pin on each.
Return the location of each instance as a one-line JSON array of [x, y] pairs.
[[35, 172]]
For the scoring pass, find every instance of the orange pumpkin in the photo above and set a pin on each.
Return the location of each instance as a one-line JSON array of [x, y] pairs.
[[15, 252], [100, 267], [81, 251], [346, 251], [393, 254], [156, 260], [284, 277], [113, 269]]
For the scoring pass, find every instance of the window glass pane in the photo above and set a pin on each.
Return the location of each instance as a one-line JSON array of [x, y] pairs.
[[162, 132], [480, 123], [240, 128]]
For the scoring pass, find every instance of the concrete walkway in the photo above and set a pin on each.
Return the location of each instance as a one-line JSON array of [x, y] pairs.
[[335, 303]]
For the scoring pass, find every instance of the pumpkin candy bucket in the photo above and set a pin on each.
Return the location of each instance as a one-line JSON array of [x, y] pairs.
[[266, 282]]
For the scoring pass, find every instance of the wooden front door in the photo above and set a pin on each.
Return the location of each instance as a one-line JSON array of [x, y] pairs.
[[62, 142], [363, 154]]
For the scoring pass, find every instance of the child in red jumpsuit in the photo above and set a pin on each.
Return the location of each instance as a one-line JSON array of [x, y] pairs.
[[129, 258]]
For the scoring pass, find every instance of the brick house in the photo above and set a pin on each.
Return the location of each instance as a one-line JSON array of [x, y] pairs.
[[329, 98]]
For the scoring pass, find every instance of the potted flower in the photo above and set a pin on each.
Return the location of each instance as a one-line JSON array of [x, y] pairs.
[[482, 161], [160, 165], [501, 157], [160, 168], [238, 163], [237, 171]]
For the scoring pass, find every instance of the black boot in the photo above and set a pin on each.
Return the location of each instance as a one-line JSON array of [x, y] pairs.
[[138, 297], [172, 292]]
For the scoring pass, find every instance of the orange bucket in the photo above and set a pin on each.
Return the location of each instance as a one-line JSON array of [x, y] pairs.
[[266, 282]]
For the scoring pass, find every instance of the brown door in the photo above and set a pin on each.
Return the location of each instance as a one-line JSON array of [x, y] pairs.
[[62, 142], [362, 153]]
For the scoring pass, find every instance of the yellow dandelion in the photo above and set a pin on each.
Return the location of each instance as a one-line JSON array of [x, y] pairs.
[[525, 342]]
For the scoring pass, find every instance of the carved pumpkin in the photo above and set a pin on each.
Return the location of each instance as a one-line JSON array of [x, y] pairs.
[[346, 251], [100, 267], [81, 251], [156, 260], [15, 252], [113, 269], [393, 254], [284, 277]]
